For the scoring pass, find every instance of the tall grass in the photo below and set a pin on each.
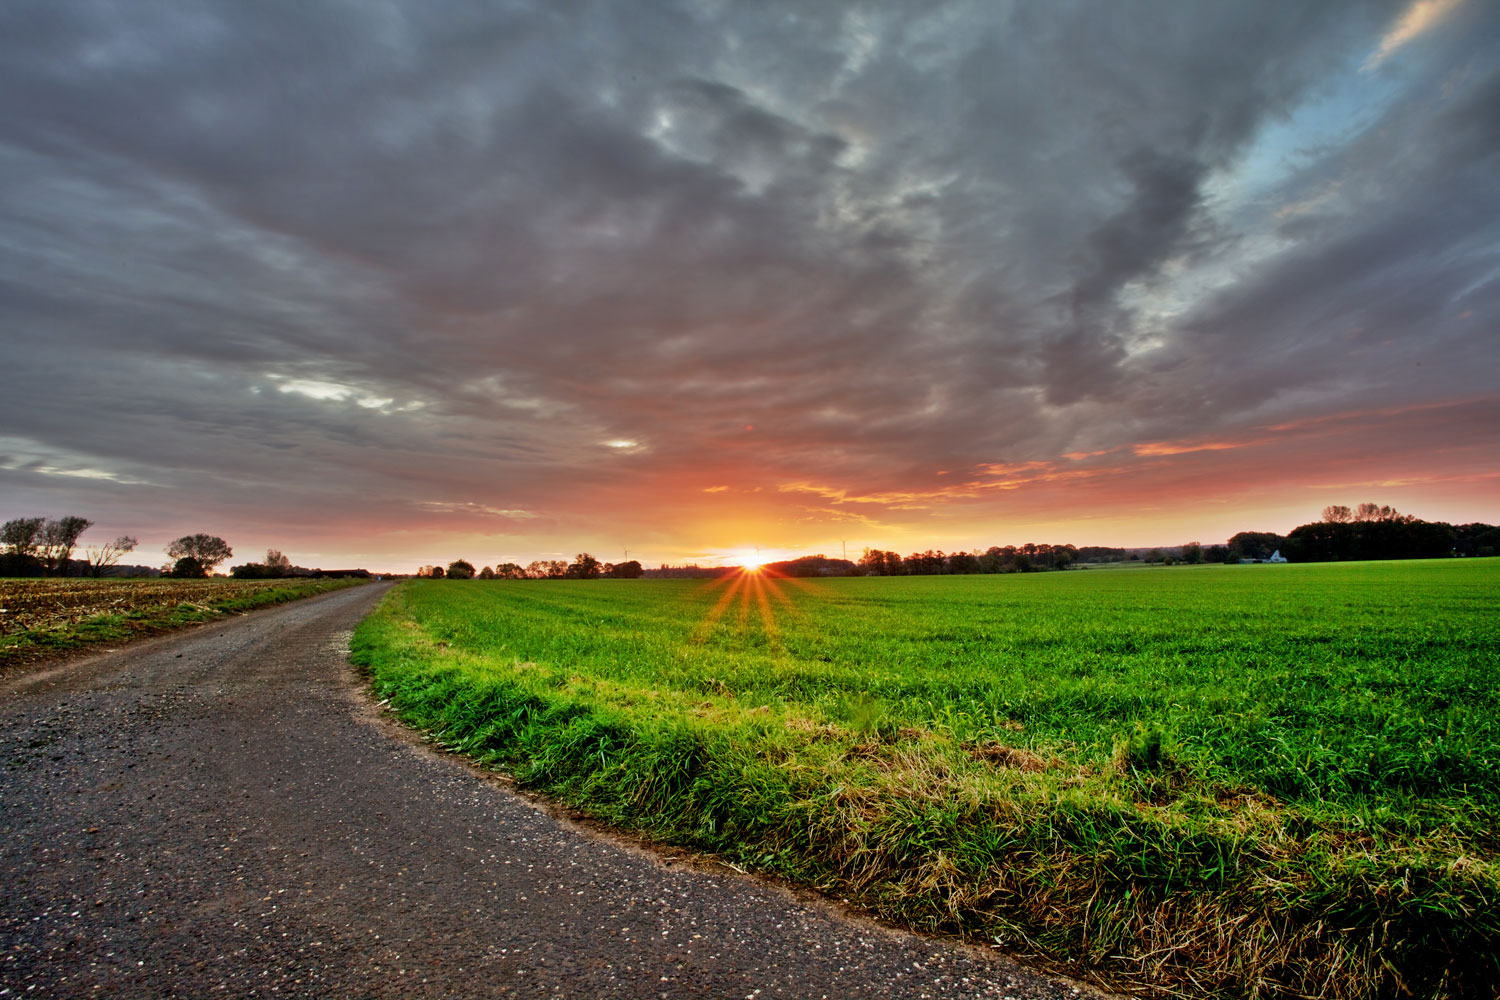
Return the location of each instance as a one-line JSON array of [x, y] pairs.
[[1259, 781]]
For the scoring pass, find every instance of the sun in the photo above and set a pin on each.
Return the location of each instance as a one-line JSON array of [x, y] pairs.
[[750, 562]]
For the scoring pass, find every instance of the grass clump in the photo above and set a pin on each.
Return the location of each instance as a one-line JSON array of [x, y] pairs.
[[1257, 781]]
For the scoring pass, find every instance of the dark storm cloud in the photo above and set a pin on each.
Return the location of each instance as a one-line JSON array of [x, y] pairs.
[[438, 252]]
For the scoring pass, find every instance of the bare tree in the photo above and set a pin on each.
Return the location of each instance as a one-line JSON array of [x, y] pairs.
[[59, 537], [278, 564], [206, 550], [1337, 514], [101, 557]]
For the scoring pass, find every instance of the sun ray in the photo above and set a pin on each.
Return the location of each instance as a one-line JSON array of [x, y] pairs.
[[711, 617], [759, 585]]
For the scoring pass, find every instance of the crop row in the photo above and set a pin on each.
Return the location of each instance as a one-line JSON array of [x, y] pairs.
[[38, 605]]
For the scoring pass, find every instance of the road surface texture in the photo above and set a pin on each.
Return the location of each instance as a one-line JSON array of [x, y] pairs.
[[224, 813]]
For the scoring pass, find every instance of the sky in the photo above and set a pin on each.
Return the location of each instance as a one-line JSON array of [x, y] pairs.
[[396, 282]]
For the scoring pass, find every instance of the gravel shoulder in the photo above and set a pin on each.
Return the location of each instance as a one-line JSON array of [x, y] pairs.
[[225, 813]]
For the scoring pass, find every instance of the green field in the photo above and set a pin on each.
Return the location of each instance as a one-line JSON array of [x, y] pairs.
[[1257, 780]]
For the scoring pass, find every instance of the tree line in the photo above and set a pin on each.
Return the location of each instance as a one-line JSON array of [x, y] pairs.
[[583, 567], [41, 546]]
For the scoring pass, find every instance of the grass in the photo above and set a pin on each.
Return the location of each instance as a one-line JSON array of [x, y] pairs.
[[1254, 781], [41, 618]]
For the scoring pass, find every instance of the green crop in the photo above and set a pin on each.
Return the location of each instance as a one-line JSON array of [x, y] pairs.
[[1255, 780]]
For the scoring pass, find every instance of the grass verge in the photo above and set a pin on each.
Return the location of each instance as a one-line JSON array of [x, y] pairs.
[[1143, 865], [85, 630]]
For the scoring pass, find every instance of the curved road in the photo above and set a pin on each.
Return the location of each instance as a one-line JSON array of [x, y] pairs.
[[223, 813]]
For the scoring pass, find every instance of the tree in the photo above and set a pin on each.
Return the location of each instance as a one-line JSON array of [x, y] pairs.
[[58, 538], [547, 569], [1192, 552], [460, 569], [1337, 514], [630, 570], [963, 562], [188, 568], [21, 535], [1255, 544], [486, 574], [277, 564], [206, 550], [102, 557], [585, 567], [1381, 512]]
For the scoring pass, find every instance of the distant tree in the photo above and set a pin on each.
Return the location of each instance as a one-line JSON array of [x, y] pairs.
[[1192, 552], [1476, 540], [1255, 544], [188, 568], [22, 535], [101, 557], [875, 562], [1381, 512], [1337, 514], [585, 567], [1101, 553], [630, 570], [58, 539], [1218, 554], [486, 574], [810, 566], [1385, 535], [437, 572], [1154, 556], [19, 538], [277, 564], [206, 550], [510, 571], [963, 562], [460, 569], [926, 563]]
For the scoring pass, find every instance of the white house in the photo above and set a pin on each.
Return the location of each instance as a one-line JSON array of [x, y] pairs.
[[1277, 557]]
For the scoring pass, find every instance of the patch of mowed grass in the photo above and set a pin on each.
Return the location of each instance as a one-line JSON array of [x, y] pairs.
[[1256, 781]]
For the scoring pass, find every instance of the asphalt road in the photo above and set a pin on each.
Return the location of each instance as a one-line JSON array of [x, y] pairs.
[[224, 813]]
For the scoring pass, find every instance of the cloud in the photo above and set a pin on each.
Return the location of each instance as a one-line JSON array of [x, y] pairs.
[[328, 266], [470, 507], [1419, 18]]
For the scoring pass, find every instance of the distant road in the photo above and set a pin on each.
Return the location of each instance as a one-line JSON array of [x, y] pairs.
[[223, 813]]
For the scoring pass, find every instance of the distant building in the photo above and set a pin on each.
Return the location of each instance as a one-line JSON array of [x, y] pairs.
[[1277, 557]]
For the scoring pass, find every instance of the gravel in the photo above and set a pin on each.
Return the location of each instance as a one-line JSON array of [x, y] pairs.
[[225, 813]]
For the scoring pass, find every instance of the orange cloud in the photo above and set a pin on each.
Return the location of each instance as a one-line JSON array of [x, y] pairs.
[[1158, 448]]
